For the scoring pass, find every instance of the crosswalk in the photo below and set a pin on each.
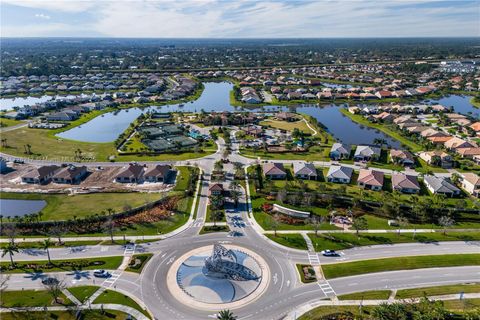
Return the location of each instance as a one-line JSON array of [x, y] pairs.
[[326, 288], [112, 279], [198, 223], [313, 259]]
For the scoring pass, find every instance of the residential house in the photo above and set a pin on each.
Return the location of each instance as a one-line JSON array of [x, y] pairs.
[[440, 185], [62, 116], [468, 152], [70, 174], [305, 170], [471, 183], [286, 116], [405, 183], [274, 171], [403, 157], [366, 153], [216, 189], [40, 175], [339, 174], [370, 179], [133, 173], [340, 151], [158, 173], [437, 158]]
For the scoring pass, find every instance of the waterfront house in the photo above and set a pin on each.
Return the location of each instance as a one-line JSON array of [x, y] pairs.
[[437, 158], [366, 153], [339, 174], [370, 179], [405, 183], [340, 151], [440, 185], [403, 157], [457, 143], [286, 116]]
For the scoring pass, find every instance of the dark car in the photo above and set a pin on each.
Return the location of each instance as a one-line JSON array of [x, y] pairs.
[[50, 281], [102, 274]]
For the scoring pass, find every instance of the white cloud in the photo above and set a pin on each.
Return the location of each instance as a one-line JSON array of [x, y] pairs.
[[42, 16], [56, 5]]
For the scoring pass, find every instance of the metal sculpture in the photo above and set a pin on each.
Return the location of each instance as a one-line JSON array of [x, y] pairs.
[[223, 264]]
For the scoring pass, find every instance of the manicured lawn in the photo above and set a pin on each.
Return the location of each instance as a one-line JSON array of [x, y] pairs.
[[210, 229], [23, 245], [29, 298], [295, 240], [4, 122], [64, 207], [315, 153], [402, 263], [438, 291], [319, 313], [66, 315], [110, 296], [287, 126], [338, 241], [111, 263], [82, 293], [183, 176], [138, 262], [208, 217], [367, 295]]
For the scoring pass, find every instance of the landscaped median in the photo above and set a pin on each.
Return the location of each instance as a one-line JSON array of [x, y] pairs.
[[115, 297], [110, 263], [346, 269]]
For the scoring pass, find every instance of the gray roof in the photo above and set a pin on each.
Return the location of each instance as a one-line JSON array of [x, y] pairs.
[[367, 151], [340, 172], [441, 185], [342, 148], [304, 168], [404, 181]]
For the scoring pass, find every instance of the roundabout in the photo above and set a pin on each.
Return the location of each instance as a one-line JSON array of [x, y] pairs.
[[216, 277]]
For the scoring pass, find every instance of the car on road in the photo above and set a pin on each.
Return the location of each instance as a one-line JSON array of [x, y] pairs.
[[50, 281], [18, 161], [102, 274], [330, 253]]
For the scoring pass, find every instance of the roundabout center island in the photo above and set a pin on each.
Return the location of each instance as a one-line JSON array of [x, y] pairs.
[[216, 277]]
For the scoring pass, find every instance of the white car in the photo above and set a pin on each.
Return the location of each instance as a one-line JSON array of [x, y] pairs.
[[330, 253], [102, 274]]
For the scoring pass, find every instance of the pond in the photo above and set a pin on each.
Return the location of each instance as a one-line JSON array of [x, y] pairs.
[[12, 207], [460, 104], [216, 97], [10, 103]]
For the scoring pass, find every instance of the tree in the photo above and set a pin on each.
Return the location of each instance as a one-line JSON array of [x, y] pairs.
[[316, 221], [274, 223], [110, 226], [54, 287], [358, 224], [11, 249], [216, 201], [402, 222], [445, 222], [47, 243], [226, 315], [215, 216], [235, 194]]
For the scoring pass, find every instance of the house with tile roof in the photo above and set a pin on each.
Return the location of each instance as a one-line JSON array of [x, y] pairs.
[[370, 179]]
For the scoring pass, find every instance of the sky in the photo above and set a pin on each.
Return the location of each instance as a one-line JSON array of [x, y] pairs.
[[239, 18]]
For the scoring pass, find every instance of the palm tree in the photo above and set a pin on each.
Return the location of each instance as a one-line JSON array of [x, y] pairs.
[[47, 243], [226, 315], [11, 249], [215, 215]]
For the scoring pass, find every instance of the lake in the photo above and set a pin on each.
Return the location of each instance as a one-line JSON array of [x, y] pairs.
[[460, 104], [10, 103], [12, 207]]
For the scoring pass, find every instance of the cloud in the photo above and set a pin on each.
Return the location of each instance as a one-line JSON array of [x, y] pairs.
[[42, 16], [262, 19]]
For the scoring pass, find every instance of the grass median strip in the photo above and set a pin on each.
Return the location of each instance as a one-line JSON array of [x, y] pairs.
[[110, 263], [82, 293], [402, 263], [30, 298], [366, 295], [438, 291], [294, 240]]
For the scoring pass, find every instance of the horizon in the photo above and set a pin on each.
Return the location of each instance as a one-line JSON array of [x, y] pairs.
[[217, 19]]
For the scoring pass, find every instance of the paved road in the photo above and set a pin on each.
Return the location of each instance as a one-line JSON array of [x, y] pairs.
[[284, 292]]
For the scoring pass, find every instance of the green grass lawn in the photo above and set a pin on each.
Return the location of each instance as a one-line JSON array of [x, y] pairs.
[[110, 296], [295, 240], [287, 126], [337, 270], [338, 241], [210, 229], [82, 293], [4, 122], [67, 315], [29, 298], [27, 244], [315, 153], [111, 263], [367, 295], [138, 262], [438, 291], [64, 207]]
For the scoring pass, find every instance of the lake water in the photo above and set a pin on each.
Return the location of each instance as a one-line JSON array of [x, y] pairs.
[[460, 104], [10, 103], [12, 208], [216, 97]]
